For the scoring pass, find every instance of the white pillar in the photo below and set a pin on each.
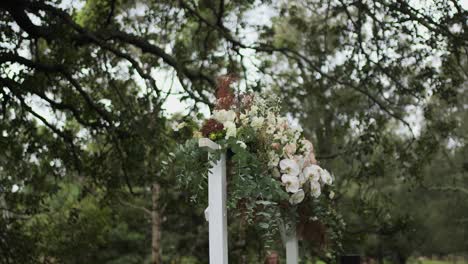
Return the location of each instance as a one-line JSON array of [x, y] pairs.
[[217, 215], [289, 237], [292, 247]]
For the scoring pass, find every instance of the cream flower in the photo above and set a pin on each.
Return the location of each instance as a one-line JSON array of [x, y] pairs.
[[297, 197], [244, 119], [289, 167], [224, 116], [271, 118], [325, 177], [315, 190], [313, 172], [257, 122], [231, 130], [274, 159], [291, 183], [253, 110]]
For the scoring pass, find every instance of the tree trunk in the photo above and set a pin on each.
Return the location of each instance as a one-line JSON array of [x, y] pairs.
[[155, 225]]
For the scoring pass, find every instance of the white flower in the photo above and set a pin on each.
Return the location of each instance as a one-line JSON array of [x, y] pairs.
[[257, 122], [331, 195], [306, 146], [231, 130], [326, 177], [274, 159], [271, 118], [270, 129], [291, 183], [297, 197], [290, 167], [282, 124], [302, 178], [241, 144], [315, 189], [224, 116], [244, 119], [313, 172], [253, 110], [301, 161], [176, 127]]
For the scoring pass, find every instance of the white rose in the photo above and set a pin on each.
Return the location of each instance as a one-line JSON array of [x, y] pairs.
[[224, 116], [326, 177], [231, 130], [290, 167], [313, 172], [315, 189], [257, 122], [291, 183], [297, 197]]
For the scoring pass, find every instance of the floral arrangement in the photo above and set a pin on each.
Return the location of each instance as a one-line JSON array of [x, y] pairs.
[[290, 156], [272, 170]]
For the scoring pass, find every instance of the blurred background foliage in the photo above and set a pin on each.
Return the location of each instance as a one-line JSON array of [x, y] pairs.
[[88, 95]]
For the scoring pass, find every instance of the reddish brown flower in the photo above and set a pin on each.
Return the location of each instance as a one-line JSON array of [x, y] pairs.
[[210, 126], [224, 95]]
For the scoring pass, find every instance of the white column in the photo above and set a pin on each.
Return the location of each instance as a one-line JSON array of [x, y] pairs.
[[292, 247], [289, 237], [217, 215]]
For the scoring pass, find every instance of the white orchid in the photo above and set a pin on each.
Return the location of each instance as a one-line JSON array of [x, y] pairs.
[[224, 116], [297, 197], [302, 178], [291, 183], [241, 144], [315, 189], [325, 177], [290, 167], [231, 130], [313, 172]]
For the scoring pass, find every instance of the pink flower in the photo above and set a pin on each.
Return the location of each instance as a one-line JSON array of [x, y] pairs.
[[290, 149], [275, 146], [312, 159]]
